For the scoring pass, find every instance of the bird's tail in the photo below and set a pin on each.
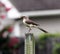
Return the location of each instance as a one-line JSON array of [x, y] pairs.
[[42, 30]]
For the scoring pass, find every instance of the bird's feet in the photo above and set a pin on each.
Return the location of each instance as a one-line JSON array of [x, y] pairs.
[[29, 30]]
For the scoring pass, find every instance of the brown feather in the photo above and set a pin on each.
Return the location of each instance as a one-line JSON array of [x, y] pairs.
[[31, 22]]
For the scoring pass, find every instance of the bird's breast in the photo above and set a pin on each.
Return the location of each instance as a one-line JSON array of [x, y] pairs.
[[24, 21]]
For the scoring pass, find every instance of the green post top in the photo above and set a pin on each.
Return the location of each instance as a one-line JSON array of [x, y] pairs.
[[29, 43], [29, 34]]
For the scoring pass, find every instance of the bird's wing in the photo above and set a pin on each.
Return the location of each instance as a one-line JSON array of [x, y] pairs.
[[31, 22]]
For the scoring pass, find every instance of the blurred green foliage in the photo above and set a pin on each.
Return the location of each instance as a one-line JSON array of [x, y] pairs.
[[56, 49], [44, 37]]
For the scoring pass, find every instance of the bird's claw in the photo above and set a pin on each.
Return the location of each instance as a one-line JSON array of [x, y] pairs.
[[29, 30]]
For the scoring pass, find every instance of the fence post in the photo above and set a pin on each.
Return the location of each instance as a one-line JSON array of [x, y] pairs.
[[29, 43]]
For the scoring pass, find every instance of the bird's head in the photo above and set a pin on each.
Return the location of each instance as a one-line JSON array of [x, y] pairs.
[[20, 18], [24, 17]]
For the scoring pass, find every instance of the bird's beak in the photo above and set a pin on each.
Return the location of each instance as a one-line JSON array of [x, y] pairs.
[[21, 17], [18, 19]]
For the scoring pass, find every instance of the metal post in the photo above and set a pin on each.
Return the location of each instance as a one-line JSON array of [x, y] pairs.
[[29, 44]]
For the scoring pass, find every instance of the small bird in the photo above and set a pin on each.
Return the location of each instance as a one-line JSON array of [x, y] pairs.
[[29, 23]]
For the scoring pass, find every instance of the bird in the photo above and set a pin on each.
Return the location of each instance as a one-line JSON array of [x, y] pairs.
[[31, 24]]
